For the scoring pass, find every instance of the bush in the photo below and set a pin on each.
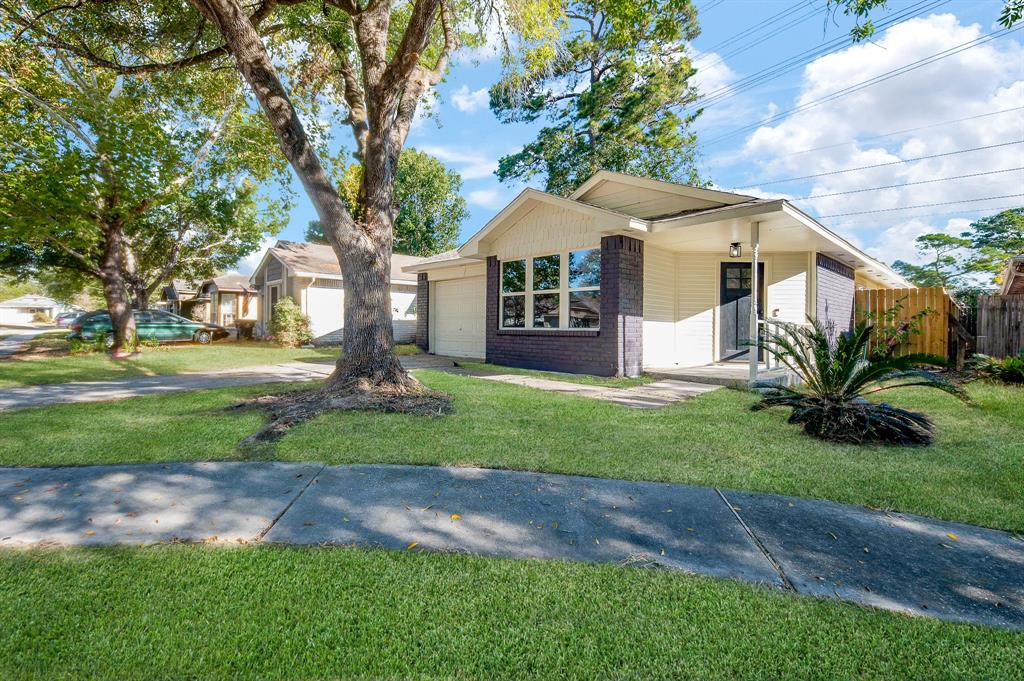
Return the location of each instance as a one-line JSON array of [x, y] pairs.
[[41, 318], [837, 372], [288, 326], [1007, 370]]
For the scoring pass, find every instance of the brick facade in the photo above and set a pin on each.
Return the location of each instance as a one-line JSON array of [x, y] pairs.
[[614, 349], [422, 312], [835, 293]]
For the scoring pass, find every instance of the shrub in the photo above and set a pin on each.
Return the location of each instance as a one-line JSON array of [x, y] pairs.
[[1007, 370], [837, 373], [41, 318], [288, 326]]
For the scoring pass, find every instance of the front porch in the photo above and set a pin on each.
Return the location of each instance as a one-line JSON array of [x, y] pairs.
[[728, 374]]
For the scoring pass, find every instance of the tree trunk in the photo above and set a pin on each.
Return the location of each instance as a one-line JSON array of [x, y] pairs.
[[364, 255], [140, 296], [115, 291]]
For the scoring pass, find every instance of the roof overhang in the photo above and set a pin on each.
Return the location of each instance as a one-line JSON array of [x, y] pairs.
[[676, 188], [337, 277], [528, 199]]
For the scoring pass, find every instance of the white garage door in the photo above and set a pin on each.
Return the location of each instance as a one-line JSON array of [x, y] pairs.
[[324, 307], [458, 318]]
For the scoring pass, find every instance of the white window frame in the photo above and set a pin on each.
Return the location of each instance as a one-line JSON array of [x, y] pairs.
[[563, 291]]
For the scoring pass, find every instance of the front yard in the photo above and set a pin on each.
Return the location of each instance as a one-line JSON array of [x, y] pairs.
[[973, 473], [276, 612]]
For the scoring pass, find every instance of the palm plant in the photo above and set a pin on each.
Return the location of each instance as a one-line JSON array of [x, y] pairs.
[[837, 373], [1007, 370]]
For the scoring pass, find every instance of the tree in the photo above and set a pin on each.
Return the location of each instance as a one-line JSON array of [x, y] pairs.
[[946, 261], [612, 94], [376, 59], [122, 181], [864, 27], [430, 208], [995, 239]]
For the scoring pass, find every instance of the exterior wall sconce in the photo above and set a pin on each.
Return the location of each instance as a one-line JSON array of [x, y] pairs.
[[735, 250]]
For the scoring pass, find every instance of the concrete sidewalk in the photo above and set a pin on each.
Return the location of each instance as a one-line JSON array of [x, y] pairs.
[[19, 337], [894, 561]]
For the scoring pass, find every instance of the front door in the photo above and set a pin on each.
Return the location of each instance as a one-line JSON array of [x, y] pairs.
[[734, 308]]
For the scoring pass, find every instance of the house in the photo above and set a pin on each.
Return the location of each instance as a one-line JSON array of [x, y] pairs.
[[310, 274], [629, 274], [225, 300], [173, 297], [21, 310], [1013, 277]]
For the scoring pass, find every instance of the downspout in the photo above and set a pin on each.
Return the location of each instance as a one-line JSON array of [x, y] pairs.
[[755, 287]]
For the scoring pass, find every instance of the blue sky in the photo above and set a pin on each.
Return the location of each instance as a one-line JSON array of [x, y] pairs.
[[463, 133]]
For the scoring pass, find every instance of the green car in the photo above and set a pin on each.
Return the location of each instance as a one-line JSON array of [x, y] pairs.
[[157, 325]]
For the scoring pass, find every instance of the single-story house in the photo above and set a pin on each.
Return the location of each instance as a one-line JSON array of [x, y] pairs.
[[226, 299], [310, 274], [1013, 277], [629, 274], [174, 296], [21, 310]]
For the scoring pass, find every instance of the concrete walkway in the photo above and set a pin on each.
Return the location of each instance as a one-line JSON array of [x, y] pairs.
[[16, 342], [894, 561]]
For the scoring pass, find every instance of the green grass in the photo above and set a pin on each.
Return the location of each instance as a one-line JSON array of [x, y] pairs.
[[582, 379], [274, 612], [168, 359], [974, 472]]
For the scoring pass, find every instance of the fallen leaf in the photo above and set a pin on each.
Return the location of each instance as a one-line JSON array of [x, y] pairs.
[[668, 510], [663, 552], [427, 508], [456, 516], [90, 533], [833, 536], [18, 498], [597, 541], [690, 529], [412, 546], [952, 536], [555, 525], [131, 514]]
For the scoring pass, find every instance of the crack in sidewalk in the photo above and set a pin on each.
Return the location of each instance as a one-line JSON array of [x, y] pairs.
[[776, 565], [263, 533]]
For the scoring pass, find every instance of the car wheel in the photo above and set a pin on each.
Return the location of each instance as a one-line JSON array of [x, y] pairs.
[[204, 337]]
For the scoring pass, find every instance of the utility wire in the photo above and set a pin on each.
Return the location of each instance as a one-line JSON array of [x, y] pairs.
[[922, 205], [814, 197], [759, 26], [882, 165], [753, 40], [880, 78]]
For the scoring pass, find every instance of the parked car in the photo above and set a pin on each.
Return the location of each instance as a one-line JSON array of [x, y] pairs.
[[65, 319], [157, 325]]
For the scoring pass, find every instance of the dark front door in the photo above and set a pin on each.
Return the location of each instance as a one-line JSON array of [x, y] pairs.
[[735, 308]]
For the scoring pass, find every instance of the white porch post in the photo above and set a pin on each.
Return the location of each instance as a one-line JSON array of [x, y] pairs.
[[755, 287]]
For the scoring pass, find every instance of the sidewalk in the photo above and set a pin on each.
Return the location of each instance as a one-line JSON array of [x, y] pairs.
[[899, 562]]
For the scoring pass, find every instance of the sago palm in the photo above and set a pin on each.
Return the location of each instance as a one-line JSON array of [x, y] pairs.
[[836, 374]]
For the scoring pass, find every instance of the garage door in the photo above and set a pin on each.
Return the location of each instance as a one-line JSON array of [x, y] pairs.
[[325, 309], [457, 310]]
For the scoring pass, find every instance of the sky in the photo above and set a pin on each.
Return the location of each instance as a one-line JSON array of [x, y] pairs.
[[750, 138]]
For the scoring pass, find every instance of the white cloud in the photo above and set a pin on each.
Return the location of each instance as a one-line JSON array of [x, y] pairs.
[[976, 81], [470, 165], [248, 264], [713, 75], [488, 198], [897, 242], [470, 102]]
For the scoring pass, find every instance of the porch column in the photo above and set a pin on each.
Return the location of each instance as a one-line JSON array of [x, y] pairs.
[[755, 287]]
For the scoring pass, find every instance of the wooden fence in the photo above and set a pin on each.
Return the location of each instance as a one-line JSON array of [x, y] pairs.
[[1001, 325], [939, 333]]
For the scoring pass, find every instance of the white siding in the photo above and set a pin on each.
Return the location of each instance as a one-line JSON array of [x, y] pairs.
[[659, 307], [787, 287], [547, 229], [697, 282], [403, 302]]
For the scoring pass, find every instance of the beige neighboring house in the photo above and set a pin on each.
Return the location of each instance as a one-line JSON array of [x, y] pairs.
[[630, 274], [1013, 277], [310, 274], [175, 297], [227, 299], [20, 311]]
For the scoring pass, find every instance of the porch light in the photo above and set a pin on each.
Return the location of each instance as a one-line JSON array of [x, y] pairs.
[[735, 250]]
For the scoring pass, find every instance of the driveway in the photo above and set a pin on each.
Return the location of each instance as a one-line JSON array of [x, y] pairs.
[[905, 563], [16, 342]]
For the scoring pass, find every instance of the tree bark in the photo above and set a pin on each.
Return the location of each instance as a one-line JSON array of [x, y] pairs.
[[115, 290], [369, 359]]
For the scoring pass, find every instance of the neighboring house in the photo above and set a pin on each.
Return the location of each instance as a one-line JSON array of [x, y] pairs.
[[310, 274], [226, 299], [1013, 277], [629, 274], [173, 297], [21, 310]]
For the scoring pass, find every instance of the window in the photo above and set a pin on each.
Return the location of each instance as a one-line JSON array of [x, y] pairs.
[[513, 294], [556, 291]]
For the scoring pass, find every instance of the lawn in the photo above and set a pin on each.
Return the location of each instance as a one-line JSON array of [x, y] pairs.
[[973, 473], [163, 360], [275, 612]]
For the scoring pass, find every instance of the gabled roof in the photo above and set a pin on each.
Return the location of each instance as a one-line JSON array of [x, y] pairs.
[[30, 300], [1013, 276], [230, 282], [313, 260]]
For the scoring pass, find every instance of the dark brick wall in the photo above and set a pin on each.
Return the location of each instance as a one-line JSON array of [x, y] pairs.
[[615, 349], [422, 312], [835, 293]]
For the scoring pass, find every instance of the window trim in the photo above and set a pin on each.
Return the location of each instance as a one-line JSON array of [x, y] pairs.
[[563, 291]]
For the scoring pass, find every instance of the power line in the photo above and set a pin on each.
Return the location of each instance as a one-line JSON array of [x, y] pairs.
[[712, 5], [750, 34], [922, 205], [882, 165], [759, 25], [880, 78], [906, 184], [969, 211], [902, 132], [796, 61]]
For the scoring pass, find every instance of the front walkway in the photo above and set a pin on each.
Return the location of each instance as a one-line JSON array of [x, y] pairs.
[[18, 338], [899, 562]]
